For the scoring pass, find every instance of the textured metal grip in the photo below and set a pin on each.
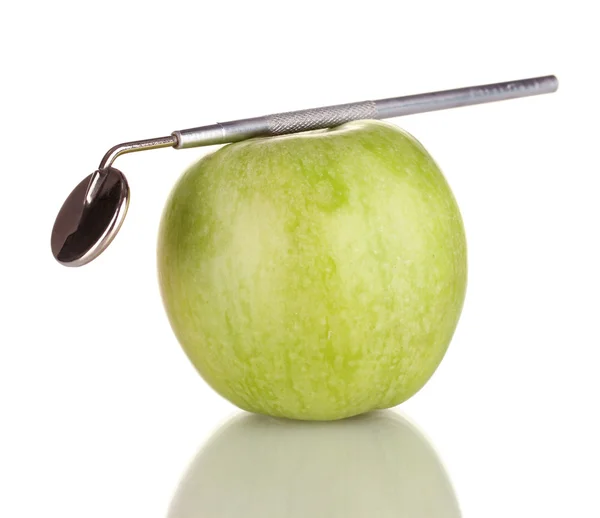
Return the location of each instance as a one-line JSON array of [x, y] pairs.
[[326, 117]]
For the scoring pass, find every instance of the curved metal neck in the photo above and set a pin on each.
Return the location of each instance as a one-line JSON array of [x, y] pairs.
[[137, 145]]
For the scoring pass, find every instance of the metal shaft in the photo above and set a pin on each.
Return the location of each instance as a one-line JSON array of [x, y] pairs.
[[137, 145], [328, 116]]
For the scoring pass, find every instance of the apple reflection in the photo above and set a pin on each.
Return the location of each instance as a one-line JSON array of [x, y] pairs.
[[377, 465]]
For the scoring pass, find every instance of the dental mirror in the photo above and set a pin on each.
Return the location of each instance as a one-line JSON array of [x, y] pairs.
[[93, 213]]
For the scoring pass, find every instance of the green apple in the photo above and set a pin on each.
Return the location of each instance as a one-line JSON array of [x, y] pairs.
[[377, 465], [314, 276]]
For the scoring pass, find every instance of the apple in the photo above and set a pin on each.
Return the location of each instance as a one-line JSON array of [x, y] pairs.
[[317, 275], [376, 465]]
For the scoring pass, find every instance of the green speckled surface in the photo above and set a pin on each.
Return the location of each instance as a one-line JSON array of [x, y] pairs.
[[317, 275]]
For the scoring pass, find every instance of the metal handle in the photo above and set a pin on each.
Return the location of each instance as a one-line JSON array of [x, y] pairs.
[[328, 116]]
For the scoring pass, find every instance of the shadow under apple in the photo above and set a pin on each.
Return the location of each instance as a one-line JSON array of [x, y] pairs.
[[375, 465]]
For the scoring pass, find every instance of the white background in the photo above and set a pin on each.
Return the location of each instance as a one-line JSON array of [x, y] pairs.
[[101, 412]]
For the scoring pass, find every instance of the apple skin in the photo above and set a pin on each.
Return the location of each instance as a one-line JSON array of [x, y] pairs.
[[314, 276]]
